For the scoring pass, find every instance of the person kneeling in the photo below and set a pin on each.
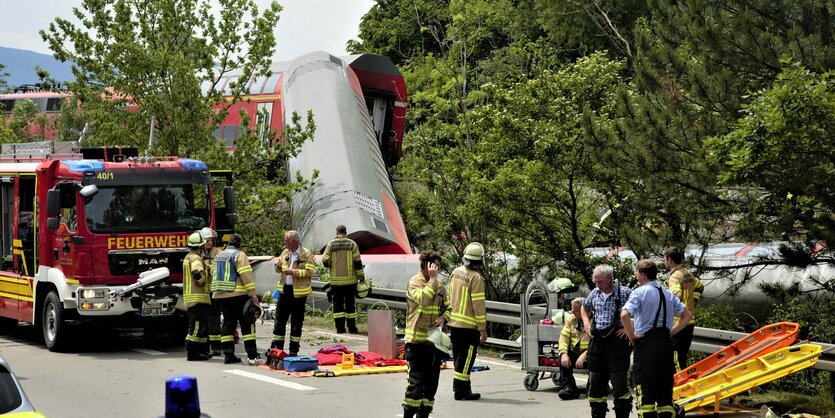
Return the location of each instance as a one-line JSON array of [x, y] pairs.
[[574, 342]]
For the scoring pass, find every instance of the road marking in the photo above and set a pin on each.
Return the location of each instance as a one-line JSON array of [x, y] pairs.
[[496, 363], [279, 382], [148, 352]]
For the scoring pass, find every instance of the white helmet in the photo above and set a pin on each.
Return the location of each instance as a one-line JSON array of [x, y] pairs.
[[207, 233]]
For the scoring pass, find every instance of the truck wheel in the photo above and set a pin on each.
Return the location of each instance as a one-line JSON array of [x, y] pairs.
[[54, 329]]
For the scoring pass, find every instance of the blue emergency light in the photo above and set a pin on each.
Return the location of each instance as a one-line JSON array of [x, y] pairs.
[[190, 164], [80, 166], [181, 399]]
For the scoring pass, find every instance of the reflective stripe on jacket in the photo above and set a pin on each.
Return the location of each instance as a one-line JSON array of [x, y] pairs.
[[425, 301], [194, 291], [302, 271], [342, 257], [467, 299], [572, 333]]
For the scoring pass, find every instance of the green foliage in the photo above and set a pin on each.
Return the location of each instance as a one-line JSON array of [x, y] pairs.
[[4, 85], [24, 115], [71, 121], [160, 56], [718, 317]]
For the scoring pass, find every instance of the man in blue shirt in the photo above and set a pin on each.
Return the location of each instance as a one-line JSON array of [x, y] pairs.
[[653, 308], [609, 350]]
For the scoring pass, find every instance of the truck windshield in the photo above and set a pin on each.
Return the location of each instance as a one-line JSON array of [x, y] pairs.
[[179, 207]]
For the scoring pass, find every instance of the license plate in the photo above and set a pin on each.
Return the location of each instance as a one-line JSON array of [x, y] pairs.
[[156, 308]]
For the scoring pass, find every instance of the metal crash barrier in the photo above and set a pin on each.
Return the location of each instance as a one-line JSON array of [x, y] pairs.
[[706, 340]]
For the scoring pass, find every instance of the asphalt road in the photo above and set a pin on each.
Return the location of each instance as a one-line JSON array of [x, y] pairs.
[[109, 377]]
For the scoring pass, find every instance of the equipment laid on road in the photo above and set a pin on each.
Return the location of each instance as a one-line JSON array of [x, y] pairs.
[[537, 337], [757, 371], [300, 363], [762, 341]]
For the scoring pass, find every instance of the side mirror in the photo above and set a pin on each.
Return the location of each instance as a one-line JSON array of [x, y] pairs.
[[53, 202], [88, 191], [52, 223], [231, 218], [229, 199]]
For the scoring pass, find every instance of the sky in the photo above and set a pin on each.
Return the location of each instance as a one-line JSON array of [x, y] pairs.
[[305, 25]]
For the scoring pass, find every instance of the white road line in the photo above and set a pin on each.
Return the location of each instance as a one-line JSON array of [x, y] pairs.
[[495, 363], [279, 382], [148, 352]]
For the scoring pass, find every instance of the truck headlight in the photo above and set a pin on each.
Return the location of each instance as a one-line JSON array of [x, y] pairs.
[[93, 294]]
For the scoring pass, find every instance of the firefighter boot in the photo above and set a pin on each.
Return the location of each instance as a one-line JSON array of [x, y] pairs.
[[352, 325], [194, 353], [409, 412], [340, 325], [599, 409], [424, 412], [622, 408]]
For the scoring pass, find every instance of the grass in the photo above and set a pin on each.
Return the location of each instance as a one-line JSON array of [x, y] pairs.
[[791, 403]]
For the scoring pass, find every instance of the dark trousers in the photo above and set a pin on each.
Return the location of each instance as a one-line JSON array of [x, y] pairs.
[[233, 314], [344, 307], [197, 338], [215, 325], [653, 374], [464, 350], [608, 358], [681, 345], [424, 371], [292, 308], [567, 373]]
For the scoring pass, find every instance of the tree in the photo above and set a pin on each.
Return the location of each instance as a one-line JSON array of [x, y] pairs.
[[4, 85], [135, 61], [23, 115]]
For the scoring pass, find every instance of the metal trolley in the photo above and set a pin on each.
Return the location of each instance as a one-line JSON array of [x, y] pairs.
[[535, 337]]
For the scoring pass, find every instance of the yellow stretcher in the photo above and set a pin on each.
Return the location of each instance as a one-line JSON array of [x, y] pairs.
[[728, 382]]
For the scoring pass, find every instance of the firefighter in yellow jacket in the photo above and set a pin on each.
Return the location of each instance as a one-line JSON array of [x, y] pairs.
[[210, 250], [688, 289], [196, 298], [468, 318], [342, 258], [295, 266], [574, 342], [426, 307], [233, 286]]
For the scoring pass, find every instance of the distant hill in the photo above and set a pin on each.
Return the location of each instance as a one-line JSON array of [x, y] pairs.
[[20, 65]]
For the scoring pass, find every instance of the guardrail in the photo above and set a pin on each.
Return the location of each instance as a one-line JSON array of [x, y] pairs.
[[706, 340]]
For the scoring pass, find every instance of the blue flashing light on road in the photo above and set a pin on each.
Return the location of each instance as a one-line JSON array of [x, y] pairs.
[[181, 399], [80, 166], [193, 164]]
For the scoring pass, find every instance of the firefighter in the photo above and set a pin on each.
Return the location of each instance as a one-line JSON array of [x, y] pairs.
[[653, 308], [688, 289], [295, 267], [209, 252], [572, 350], [233, 286], [426, 306], [342, 258], [609, 350], [196, 298], [468, 318]]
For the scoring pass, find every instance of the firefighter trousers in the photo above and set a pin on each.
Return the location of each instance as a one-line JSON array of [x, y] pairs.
[[233, 314], [567, 373], [608, 359], [464, 350], [292, 308], [681, 346], [197, 338], [215, 325], [653, 374], [424, 371], [344, 307]]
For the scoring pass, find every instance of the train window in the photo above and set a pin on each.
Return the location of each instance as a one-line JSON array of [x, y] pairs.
[[272, 84], [6, 105], [54, 104], [229, 134], [255, 87], [205, 87], [227, 88], [265, 114], [217, 133], [40, 104]]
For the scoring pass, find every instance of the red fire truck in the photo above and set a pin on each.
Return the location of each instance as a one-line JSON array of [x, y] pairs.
[[99, 234]]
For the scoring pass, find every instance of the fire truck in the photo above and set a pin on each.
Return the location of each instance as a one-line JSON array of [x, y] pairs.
[[99, 235]]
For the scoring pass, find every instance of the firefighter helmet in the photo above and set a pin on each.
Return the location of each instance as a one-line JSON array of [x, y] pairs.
[[363, 290], [562, 285], [440, 340], [252, 310], [474, 252], [207, 233], [195, 240]]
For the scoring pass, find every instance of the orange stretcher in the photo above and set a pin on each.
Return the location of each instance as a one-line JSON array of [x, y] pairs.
[[762, 341], [709, 390]]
